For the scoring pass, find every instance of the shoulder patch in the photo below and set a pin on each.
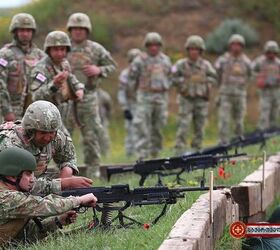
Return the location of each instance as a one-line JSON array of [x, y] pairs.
[[40, 77], [3, 62]]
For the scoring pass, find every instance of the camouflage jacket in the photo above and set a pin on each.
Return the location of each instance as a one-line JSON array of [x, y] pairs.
[[90, 53], [42, 81], [234, 74], [126, 93], [151, 74], [61, 150], [193, 79], [16, 64], [17, 208], [267, 72]]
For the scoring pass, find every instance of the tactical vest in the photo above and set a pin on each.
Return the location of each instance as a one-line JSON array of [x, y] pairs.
[[154, 77], [43, 157], [269, 75], [78, 58], [195, 81], [235, 71]]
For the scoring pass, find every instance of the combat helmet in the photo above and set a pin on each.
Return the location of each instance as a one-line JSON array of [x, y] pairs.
[[236, 38], [271, 46], [79, 20], [195, 42], [14, 160], [43, 116], [153, 37], [132, 53], [22, 21], [57, 38]]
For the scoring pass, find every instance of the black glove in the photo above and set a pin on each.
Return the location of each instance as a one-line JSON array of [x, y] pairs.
[[127, 115]]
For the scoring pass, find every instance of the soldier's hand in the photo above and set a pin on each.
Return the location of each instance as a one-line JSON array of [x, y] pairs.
[[80, 94], [127, 115], [68, 217], [60, 78], [9, 117], [75, 182], [66, 172], [88, 200], [91, 70]]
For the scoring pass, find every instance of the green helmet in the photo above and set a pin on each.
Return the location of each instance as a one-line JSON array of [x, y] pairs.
[[195, 42], [14, 160], [271, 46], [132, 53], [57, 38], [236, 38], [22, 21], [43, 116], [153, 37], [79, 20]]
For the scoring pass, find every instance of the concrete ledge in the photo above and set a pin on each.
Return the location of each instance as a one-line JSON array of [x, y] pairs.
[[193, 229]]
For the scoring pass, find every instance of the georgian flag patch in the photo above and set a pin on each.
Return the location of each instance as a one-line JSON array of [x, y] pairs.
[[40, 77], [3, 62]]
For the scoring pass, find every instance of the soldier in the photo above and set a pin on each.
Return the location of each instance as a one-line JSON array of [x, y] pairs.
[[105, 109], [127, 100], [40, 134], [151, 71], [193, 77], [267, 70], [52, 77], [17, 59], [233, 69], [91, 62], [20, 210]]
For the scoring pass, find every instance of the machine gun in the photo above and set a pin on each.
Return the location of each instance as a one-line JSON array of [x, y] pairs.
[[136, 197], [257, 137], [171, 166]]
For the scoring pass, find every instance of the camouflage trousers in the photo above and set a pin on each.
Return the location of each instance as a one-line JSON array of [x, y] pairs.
[[269, 108], [91, 128], [235, 106], [150, 116], [130, 138], [191, 111], [105, 140]]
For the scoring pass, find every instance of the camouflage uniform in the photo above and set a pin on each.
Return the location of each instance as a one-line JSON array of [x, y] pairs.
[[16, 63], [61, 149], [268, 80], [105, 108], [89, 53], [152, 74], [234, 74], [18, 208], [42, 75], [127, 100], [193, 79]]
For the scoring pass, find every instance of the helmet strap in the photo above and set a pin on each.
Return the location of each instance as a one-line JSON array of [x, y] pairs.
[[13, 183]]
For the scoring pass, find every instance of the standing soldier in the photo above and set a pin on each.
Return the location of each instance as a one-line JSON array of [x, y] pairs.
[[267, 70], [234, 71], [52, 79], [105, 110], [127, 100], [91, 62], [193, 77], [151, 70], [17, 59]]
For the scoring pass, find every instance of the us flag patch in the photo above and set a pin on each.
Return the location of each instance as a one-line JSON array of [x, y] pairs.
[[40, 77], [3, 62]]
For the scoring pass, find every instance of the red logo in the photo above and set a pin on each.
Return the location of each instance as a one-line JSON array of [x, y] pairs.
[[237, 230]]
